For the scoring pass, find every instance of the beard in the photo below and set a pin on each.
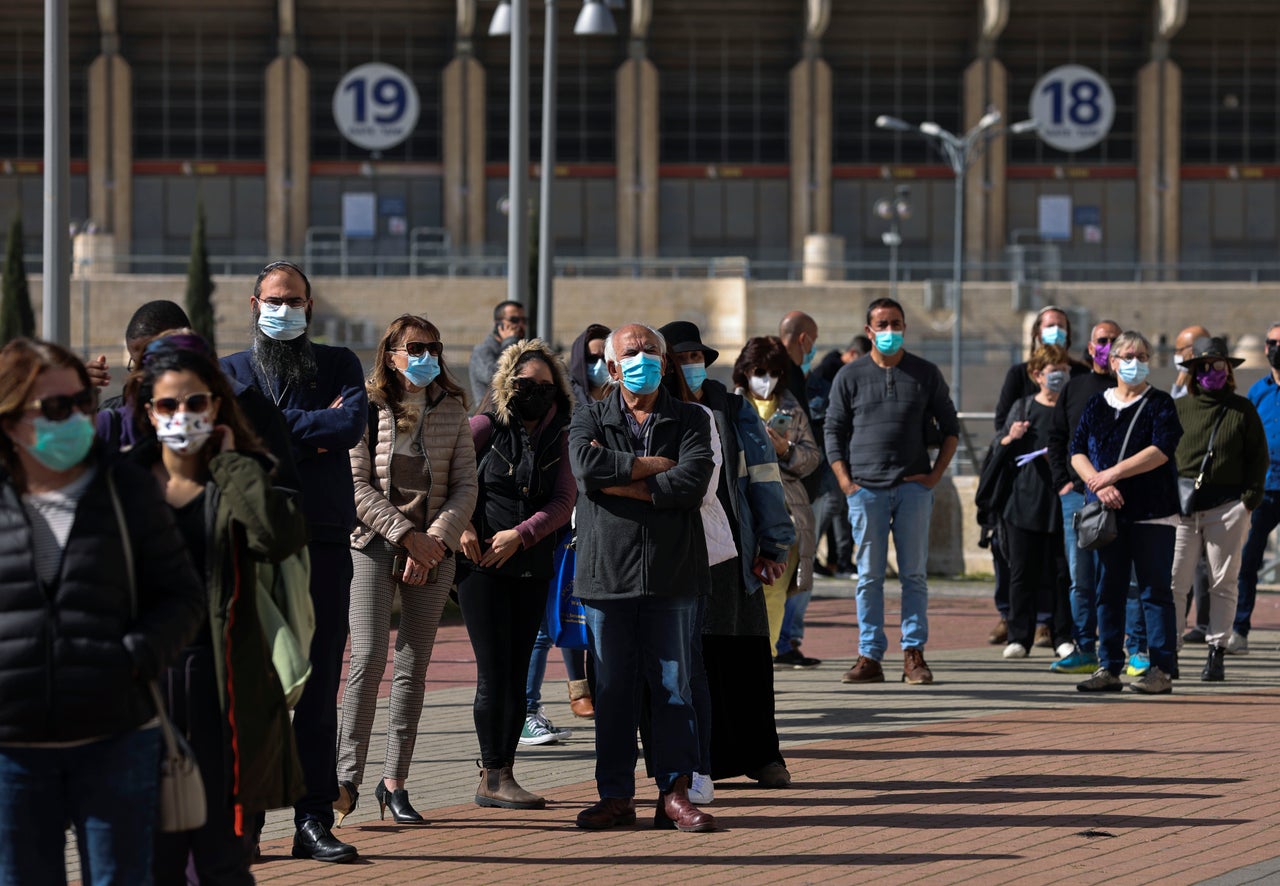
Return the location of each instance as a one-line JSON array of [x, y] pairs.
[[284, 363]]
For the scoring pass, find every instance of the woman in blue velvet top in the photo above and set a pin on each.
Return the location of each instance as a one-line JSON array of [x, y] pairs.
[[1141, 484]]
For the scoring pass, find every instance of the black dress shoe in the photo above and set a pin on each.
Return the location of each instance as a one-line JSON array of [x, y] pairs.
[[312, 840], [402, 811]]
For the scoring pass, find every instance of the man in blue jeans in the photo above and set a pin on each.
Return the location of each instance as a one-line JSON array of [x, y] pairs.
[[643, 462], [879, 414], [1265, 396]]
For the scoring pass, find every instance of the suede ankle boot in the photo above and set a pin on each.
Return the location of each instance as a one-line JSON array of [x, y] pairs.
[[498, 787]]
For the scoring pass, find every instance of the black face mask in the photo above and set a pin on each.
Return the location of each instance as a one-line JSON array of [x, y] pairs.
[[1273, 357], [532, 402]]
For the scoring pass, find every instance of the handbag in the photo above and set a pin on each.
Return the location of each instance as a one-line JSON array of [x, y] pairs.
[[566, 616], [180, 788], [1096, 524], [995, 481], [1187, 487]]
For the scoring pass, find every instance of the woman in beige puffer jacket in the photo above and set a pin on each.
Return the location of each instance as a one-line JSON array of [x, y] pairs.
[[415, 487]]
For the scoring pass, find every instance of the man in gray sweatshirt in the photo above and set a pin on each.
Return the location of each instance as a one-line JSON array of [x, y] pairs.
[[880, 416]]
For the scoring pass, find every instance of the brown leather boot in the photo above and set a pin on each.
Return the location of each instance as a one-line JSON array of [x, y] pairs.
[[864, 670], [609, 812], [498, 787], [914, 670], [580, 700], [675, 810]]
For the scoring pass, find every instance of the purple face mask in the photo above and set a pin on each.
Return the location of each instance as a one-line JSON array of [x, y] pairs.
[[1212, 379], [1101, 353]]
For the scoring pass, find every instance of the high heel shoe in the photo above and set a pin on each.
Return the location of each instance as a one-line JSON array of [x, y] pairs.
[[348, 796], [402, 811]]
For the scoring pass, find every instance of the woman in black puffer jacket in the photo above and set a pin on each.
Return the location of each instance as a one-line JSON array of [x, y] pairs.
[[78, 736]]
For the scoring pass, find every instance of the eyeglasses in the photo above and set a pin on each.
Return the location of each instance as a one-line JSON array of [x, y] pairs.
[[167, 406], [1104, 340], [1215, 365], [1141, 358], [529, 384], [418, 348], [298, 302], [60, 406]]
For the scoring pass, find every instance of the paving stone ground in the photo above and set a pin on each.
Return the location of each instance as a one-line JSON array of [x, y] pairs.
[[1000, 772]]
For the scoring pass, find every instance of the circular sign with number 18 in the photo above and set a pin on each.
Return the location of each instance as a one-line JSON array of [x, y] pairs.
[[375, 106], [1074, 107]]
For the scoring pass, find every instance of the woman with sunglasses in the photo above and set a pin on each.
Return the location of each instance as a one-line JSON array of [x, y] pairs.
[[1223, 458], [1123, 451], [526, 495], [223, 692], [415, 482], [78, 642]]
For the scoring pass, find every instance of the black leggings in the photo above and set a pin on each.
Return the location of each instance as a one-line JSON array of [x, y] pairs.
[[1037, 562], [502, 615]]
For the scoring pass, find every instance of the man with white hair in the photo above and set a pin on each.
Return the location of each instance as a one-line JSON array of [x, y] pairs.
[[643, 462]]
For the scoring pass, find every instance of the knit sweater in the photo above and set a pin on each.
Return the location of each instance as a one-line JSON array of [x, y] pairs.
[[1238, 467]]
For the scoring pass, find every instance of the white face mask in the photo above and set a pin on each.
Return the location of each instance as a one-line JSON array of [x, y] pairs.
[[1177, 360], [762, 386], [185, 432]]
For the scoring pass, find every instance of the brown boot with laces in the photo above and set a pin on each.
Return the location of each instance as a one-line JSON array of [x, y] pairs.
[[914, 670], [864, 670]]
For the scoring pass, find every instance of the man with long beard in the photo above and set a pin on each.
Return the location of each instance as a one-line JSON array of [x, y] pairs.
[[320, 391]]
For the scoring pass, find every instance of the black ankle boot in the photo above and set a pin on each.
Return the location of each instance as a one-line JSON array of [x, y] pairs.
[[1214, 671], [402, 811]]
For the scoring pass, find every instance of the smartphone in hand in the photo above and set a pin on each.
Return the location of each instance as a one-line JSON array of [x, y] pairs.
[[780, 422]]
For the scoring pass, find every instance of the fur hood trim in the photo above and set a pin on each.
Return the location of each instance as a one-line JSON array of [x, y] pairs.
[[503, 383]]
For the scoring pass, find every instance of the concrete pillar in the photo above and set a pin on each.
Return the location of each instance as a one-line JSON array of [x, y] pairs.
[[288, 154], [986, 86], [811, 135], [1159, 126], [464, 134], [636, 87]]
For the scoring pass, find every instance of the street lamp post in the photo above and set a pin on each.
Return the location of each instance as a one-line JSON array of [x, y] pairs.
[[56, 273], [594, 19], [895, 211], [960, 152]]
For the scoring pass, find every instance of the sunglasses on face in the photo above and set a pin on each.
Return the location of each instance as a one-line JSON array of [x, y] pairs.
[[528, 385], [60, 406], [418, 348], [1104, 340], [1272, 344], [167, 406]]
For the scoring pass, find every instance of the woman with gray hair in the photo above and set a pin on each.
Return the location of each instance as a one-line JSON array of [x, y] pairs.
[[1123, 450]]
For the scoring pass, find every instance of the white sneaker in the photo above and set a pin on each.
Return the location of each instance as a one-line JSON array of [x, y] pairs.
[[701, 790], [1237, 644], [1065, 649], [557, 731], [1015, 650]]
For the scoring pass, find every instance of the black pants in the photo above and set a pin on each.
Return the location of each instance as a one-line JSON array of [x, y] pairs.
[[315, 719], [217, 855], [740, 686], [1036, 560], [502, 616]]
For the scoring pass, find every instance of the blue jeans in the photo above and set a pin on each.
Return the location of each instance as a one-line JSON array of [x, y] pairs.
[[537, 669], [106, 790], [1144, 550], [793, 621], [905, 511], [1265, 518], [1083, 568], [646, 639]]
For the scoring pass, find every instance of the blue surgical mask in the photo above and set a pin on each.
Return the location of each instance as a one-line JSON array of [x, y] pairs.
[[282, 323], [598, 373], [888, 342], [61, 445], [422, 371], [695, 374], [1054, 335], [808, 359], [641, 373], [1133, 372]]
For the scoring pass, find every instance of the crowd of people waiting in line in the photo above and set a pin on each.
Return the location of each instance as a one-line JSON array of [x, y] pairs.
[[694, 509]]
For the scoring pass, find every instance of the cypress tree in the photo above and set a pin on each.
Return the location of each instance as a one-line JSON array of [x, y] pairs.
[[16, 317], [200, 281]]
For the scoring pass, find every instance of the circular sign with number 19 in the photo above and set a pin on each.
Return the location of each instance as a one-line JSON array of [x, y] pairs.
[[1074, 107], [375, 106]]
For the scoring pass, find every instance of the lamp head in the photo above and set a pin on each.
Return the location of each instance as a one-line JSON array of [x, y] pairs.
[[595, 20], [884, 121], [989, 119], [1024, 126], [931, 129], [500, 25]]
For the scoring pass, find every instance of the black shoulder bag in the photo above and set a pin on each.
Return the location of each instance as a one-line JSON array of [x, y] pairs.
[[1187, 487], [1095, 523]]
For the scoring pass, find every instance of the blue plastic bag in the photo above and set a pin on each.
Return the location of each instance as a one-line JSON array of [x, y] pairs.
[[566, 617]]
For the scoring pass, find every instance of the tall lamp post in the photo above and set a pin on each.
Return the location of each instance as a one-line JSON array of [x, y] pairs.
[[512, 19], [895, 211], [960, 152]]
